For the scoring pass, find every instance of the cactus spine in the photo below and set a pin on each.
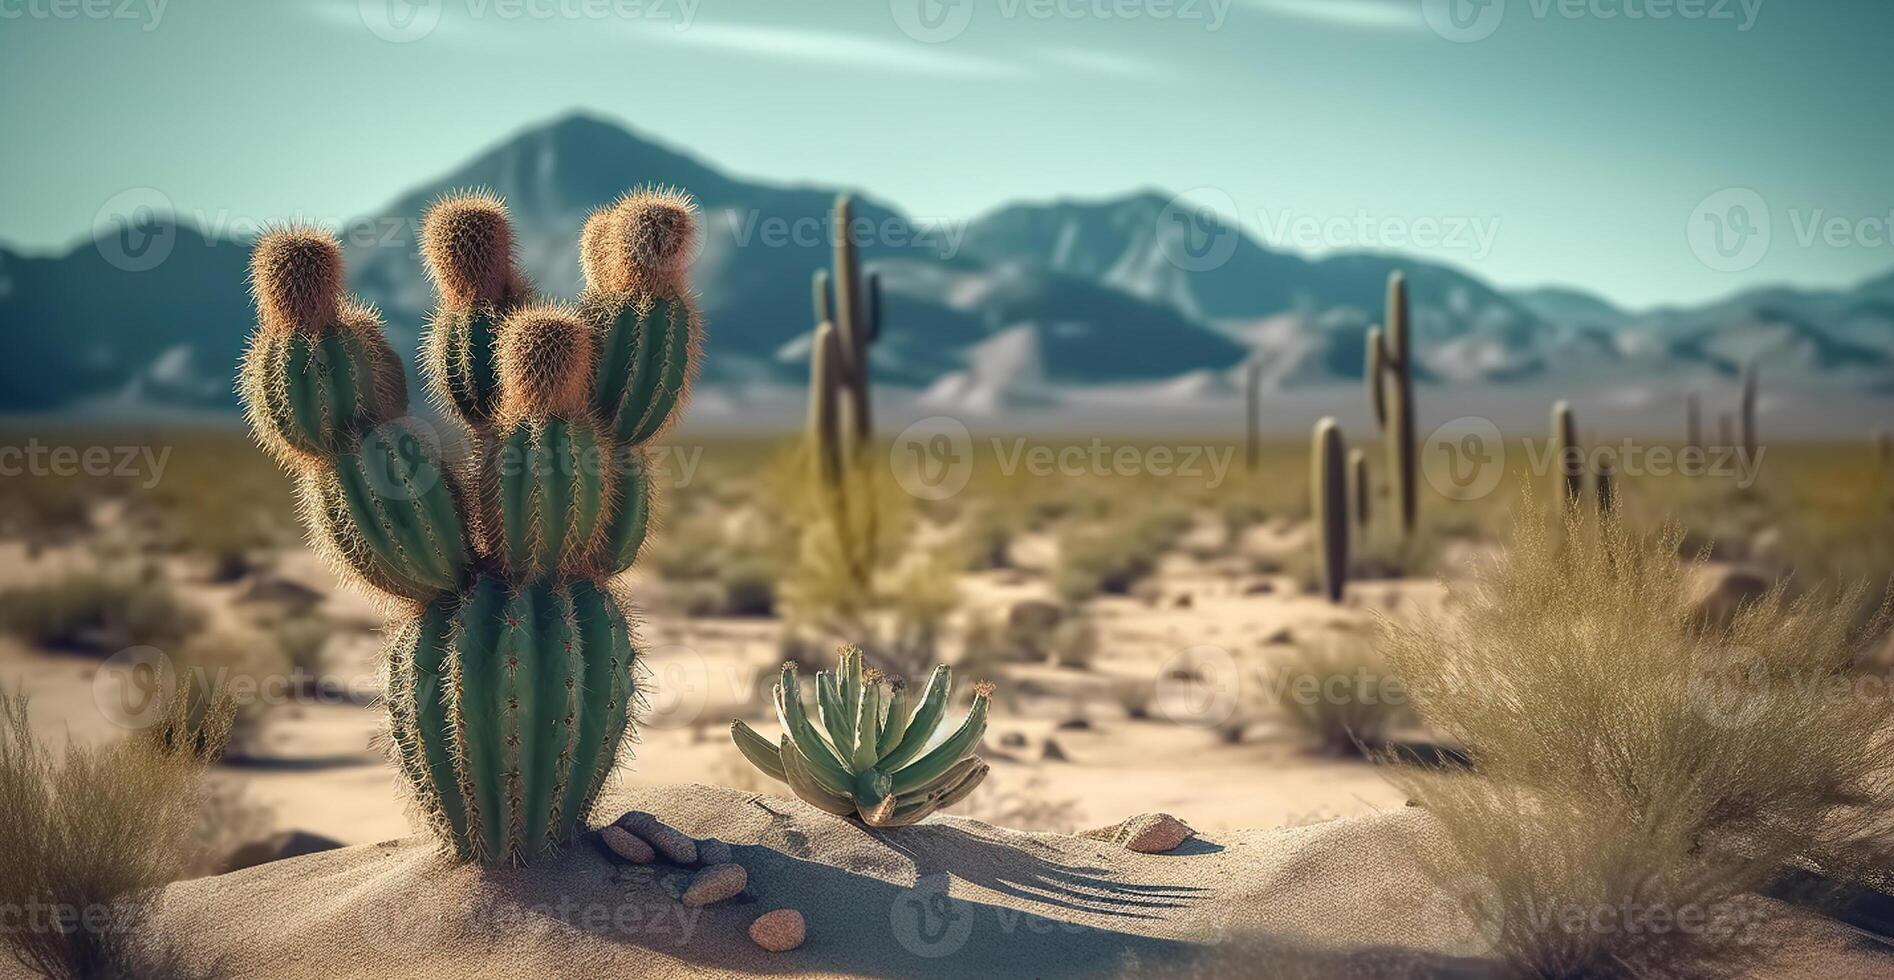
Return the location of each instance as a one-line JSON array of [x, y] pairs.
[[510, 664], [1328, 485], [1390, 373], [1567, 455], [866, 760]]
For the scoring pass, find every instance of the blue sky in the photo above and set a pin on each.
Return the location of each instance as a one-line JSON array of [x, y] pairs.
[[1537, 141]]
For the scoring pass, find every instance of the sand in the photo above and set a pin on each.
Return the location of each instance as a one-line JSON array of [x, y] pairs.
[[948, 898]]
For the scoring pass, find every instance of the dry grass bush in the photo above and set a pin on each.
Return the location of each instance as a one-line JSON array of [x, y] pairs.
[[1339, 692], [98, 611], [1630, 758], [90, 835], [1111, 556]]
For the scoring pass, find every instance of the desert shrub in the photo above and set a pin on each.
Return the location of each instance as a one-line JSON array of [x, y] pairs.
[[1340, 693], [90, 835], [987, 540], [1112, 557], [1628, 756], [98, 612]]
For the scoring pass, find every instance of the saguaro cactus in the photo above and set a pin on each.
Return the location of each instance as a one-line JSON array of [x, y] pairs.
[[1252, 415], [1328, 488], [1390, 373], [1568, 457], [870, 759], [851, 305], [510, 663]]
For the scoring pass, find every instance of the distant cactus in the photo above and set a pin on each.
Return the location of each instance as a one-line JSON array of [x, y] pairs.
[[1568, 457], [1726, 431], [870, 758], [1328, 490], [853, 308], [1884, 445], [1693, 421], [1252, 415], [1749, 411], [1361, 490], [509, 679], [1390, 371], [1606, 489]]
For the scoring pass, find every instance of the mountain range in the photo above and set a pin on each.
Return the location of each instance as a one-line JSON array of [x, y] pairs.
[[1019, 304]]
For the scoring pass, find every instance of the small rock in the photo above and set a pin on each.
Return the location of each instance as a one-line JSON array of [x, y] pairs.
[[276, 847], [1078, 723], [713, 851], [1184, 601], [1146, 833], [1260, 587], [1281, 637], [1013, 740], [275, 590], [714, 884], [1052, 752], [676, 846], [778, 931], [1721, 591], [1034, 616], [627, 845]]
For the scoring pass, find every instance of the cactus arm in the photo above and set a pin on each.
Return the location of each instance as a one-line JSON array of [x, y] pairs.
[[630, 517], [819, 290], [930, 767], [760, 751], [674, 370], [802, 779], [1329, 500], [927, 714], [1375, 372]]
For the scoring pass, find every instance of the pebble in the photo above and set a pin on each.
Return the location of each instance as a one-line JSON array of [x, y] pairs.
[[627, 845], [779, 931], [1154, 833], [714, 884], [676, 846]]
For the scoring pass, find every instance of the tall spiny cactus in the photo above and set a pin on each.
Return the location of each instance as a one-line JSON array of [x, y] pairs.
[[509, 681], [1568, 457], [870, 758], [1390, 372], [1749, 412], [1328, 490]]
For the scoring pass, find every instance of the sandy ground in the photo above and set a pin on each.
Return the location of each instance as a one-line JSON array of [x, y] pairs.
[[314, 764]]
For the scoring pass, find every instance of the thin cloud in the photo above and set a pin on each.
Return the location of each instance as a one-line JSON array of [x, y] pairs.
[[1378, 15], [812, 47]]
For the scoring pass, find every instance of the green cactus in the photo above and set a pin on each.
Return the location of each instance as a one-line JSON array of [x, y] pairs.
[[1568, 457], [851, 305], [1328, 485], [866, 760], [1390, 377], [510, 666]]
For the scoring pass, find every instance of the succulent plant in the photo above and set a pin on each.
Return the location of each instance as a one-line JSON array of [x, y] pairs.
[[870, 757], [510, 663], [1329, 493]]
